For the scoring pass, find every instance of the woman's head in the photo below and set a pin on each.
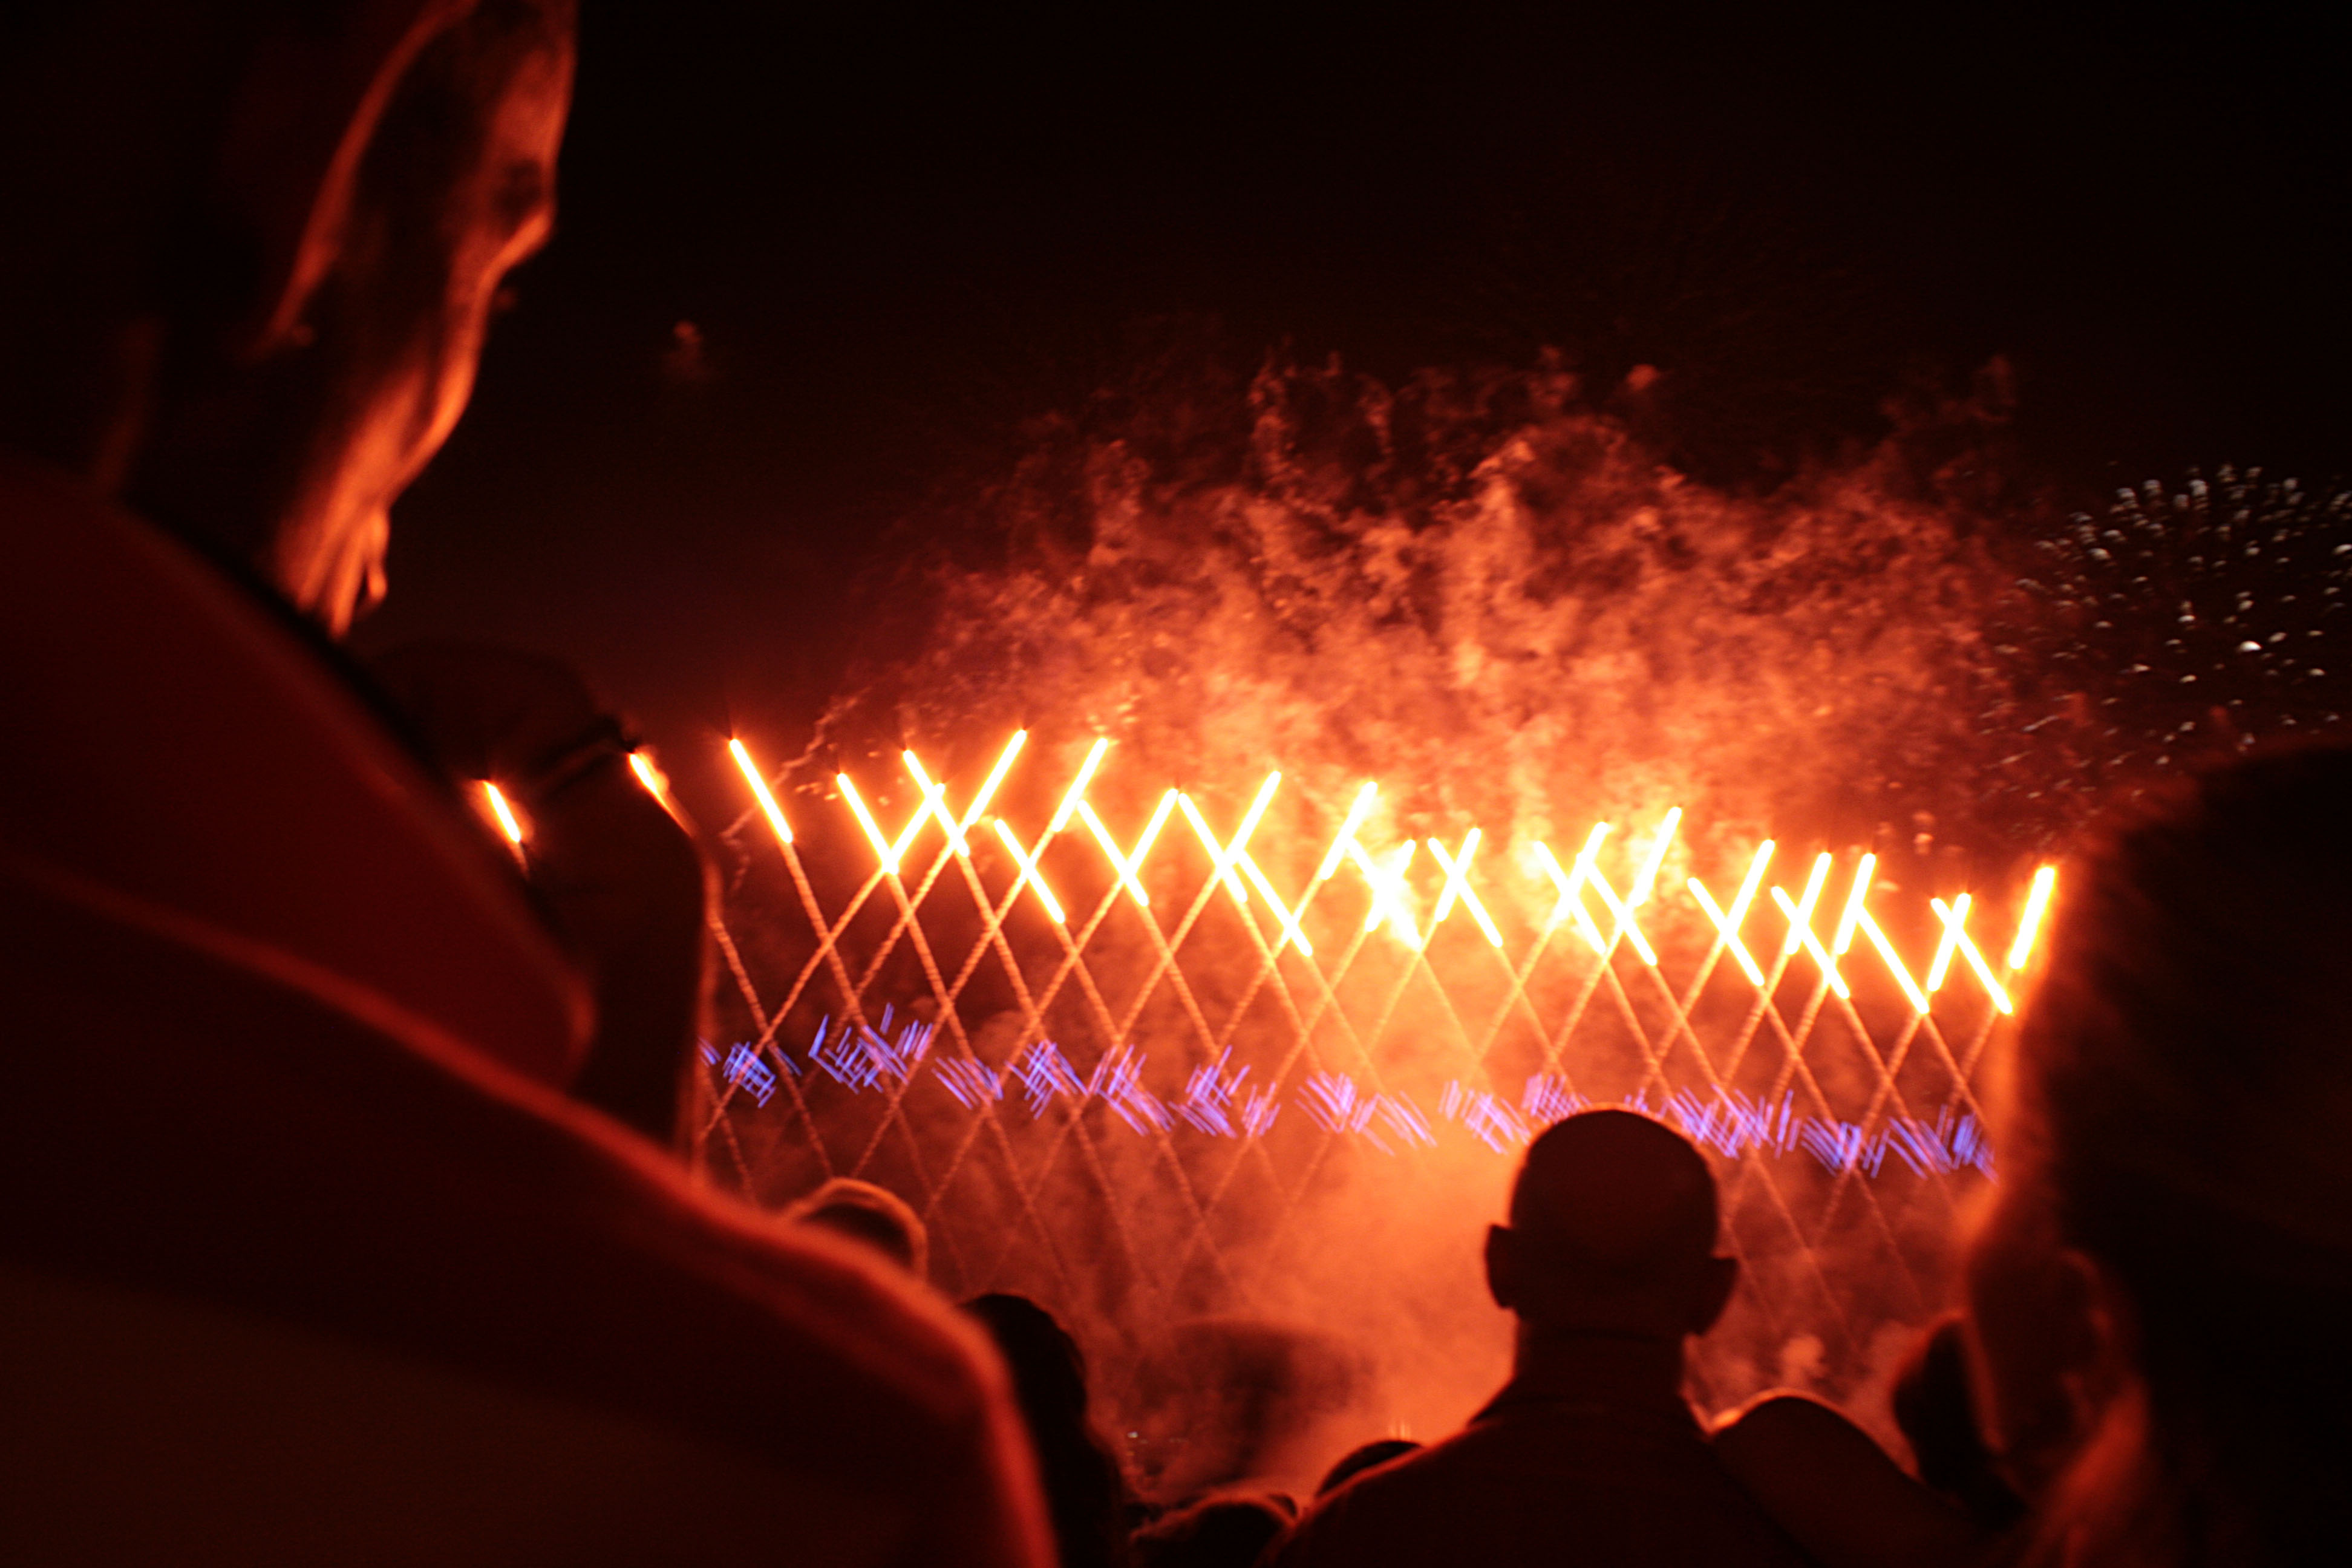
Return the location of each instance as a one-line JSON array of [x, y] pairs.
[[2160, 1297]]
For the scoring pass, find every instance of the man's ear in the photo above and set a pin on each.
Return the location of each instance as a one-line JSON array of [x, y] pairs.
[[1719, 1278], [1503, 1267], [304, 117]]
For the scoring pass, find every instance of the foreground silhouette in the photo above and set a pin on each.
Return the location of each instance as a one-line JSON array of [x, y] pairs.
[[2158, 1299], [307, 1257], [1588, 1453]]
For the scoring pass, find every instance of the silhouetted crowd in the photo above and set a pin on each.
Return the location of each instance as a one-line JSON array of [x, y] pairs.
[[343, 1220]]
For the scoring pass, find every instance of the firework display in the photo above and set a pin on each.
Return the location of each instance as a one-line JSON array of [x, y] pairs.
[[1110, 1063]]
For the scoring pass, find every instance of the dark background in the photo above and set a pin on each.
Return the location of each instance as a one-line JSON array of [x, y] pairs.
[[897, 237]]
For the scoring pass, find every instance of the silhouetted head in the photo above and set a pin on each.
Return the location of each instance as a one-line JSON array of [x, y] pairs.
[[1048, 1369], [1935, 1411], [1612, 1232], [875, 1215], [1356, 1462], [2157, 1300], [1216, 1532], [252, 250], [1086, 1490]]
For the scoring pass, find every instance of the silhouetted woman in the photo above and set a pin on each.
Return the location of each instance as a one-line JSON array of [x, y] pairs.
[[1085, 1491], [2160, 1299]]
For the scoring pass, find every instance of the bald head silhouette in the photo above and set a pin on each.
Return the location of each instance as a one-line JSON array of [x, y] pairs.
[[1613, 1231]]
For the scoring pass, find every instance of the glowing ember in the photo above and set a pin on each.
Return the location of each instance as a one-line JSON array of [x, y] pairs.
[[499, 809]]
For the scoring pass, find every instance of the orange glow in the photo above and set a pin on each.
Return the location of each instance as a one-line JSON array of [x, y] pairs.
[[1800, 925], [1728, 924], [1956, 934], [1030, 874], [504, 813], [1282, 911], [1457, 886], [760, 792], [2037, 904]]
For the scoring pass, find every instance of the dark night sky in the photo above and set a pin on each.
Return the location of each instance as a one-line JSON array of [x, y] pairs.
[[898, 235]]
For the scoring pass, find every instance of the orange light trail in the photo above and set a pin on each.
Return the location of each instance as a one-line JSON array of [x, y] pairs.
[[1391, 896], [1728, 924], [648, 776], [1571, 885], [1895, 965], [1955, 917], [768, 807], [1621, 911], [1457, 886], [1030, 875], [504, 813], [1800, 925], [1953, 923], [1234, 858], [2037, 904], [1366, 798], [1226, 855], [1852, 917], [1076, 795], [934, 795], [1128, 864], [888, 851]]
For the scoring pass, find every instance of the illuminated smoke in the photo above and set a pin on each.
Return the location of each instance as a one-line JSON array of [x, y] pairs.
[[1125, 1089]]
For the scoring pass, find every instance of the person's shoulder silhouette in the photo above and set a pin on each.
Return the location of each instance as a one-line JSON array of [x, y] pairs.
[[307, 1254], [1608, 1265]]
